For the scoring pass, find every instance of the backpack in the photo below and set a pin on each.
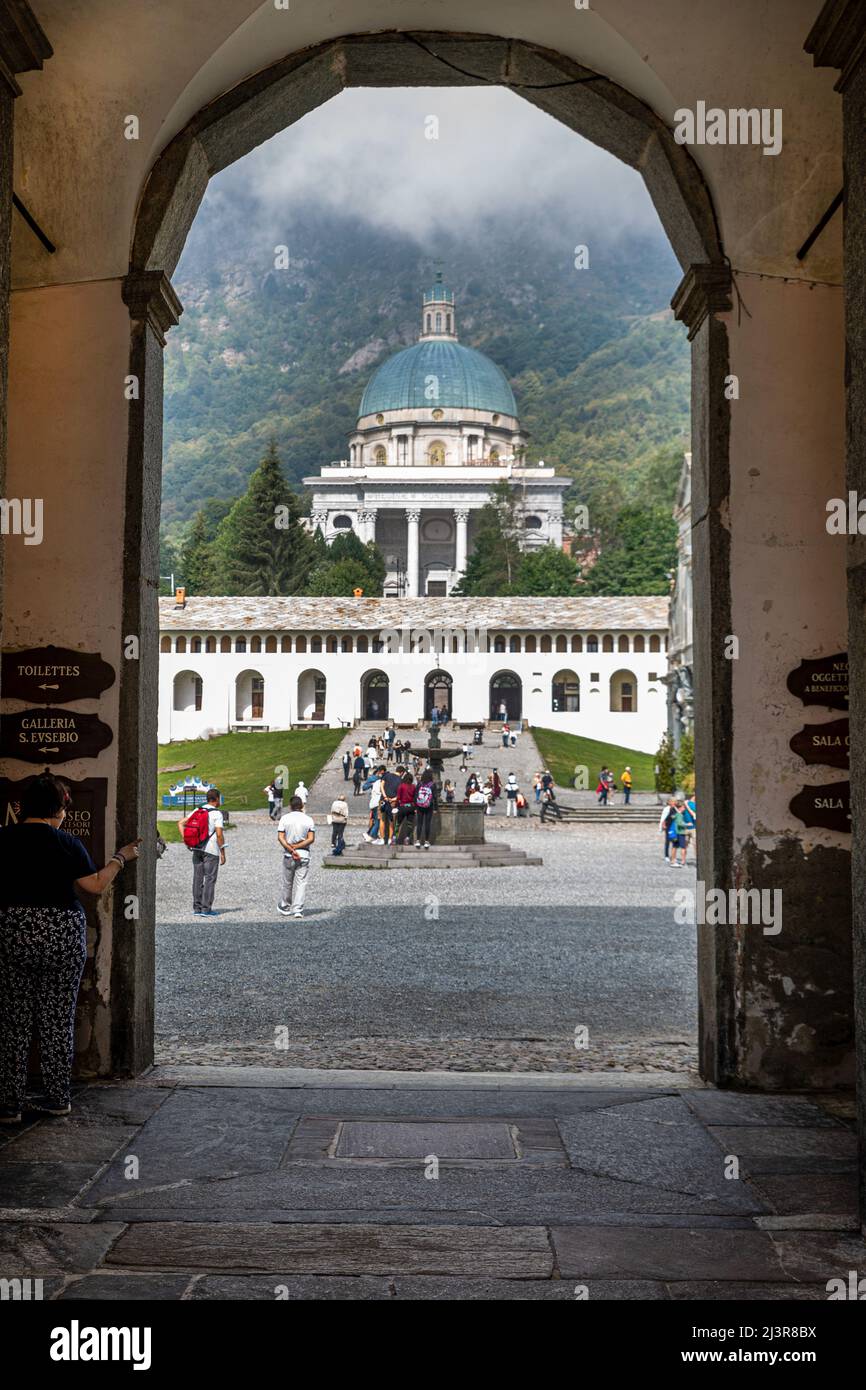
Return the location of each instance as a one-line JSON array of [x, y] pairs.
[[424, 796], [196, 832]]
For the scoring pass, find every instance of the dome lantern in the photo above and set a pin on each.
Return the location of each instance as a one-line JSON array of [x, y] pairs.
[[438, 316]]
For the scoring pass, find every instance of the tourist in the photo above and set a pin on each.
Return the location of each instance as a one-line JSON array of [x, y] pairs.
[[338, 820], [503, 711], [603, 789], [358, 773], [208, 853], [406, 808], [448, 793], [496, 785], [626, 780], [549, 804], [678, 835], [43, 943], [690, 816], [478, 736], [302, 792], [547, 780], [271, 795], [512, 791], [536, 787], [391, 785], [505, 735], [471, 783], [277, 785], [488, 794], [434, 717], [476, 797], [390, 736], [522, 806], [375, 786], [425, 805], [464, 756], [368, 760], [512, 737], [296, 832], [347, 765], [667, 814]]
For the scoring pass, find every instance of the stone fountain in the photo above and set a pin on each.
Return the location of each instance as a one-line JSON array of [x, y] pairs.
[[457, 824]]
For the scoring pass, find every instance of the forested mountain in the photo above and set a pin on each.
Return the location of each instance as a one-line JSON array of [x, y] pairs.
[[599, 367]]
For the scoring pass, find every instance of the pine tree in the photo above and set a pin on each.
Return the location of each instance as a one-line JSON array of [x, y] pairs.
[[638, 553], [546, 573], [196, 556], [261, 547], [347, 564], [493, 565]]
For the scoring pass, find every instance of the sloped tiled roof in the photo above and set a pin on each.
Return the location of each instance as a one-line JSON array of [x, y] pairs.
[[373, 614]]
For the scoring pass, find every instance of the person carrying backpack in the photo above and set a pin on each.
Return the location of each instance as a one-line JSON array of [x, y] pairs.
[[425, 805], [202, 833], [668, 813]]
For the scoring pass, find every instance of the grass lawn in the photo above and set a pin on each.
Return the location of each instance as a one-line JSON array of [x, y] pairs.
[[242, 764], [563, 752]]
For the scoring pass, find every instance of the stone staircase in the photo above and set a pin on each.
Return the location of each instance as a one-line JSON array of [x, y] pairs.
[[486, 856], [601, 815]]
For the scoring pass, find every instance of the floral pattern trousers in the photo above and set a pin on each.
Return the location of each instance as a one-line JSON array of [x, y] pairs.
[[42, 955]]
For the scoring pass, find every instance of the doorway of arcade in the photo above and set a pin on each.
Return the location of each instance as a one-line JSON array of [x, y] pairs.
[[506, 696], [437, 695]]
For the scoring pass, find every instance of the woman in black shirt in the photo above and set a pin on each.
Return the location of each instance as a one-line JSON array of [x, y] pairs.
[[43, 943]]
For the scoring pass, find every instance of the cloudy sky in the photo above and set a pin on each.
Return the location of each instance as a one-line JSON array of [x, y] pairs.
[[368, 150]]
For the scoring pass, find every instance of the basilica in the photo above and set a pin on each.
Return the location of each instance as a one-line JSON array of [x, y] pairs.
[[437, 428]]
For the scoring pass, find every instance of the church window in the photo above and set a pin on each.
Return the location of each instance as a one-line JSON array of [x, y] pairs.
[[380, 419], [655, 645], [195, 644], [532, 523], [362, 644], [639, 644], [429, 321], [241, 644], [592, 646], [530, 644], [210, 645], [331, 645], [448, 322], [622, 644], [380, 455], [342, 523], [514, 644], [577, 643], [607, 644], [499, 644], [561, 644], [438, 323], [256, 644], [315, 644]]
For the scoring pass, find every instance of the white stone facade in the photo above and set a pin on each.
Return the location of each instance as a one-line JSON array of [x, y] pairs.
[[591, 666]]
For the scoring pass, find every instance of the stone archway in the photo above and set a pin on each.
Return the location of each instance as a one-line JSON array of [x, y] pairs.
[[230, 127], [506, 696], [375, 695], [438, 694]]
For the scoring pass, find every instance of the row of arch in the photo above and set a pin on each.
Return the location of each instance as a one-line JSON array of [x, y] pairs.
[[505, 690], [517, 643]]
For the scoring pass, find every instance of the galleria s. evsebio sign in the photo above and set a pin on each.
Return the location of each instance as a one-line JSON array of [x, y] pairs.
[[52, 735], [42, 675]]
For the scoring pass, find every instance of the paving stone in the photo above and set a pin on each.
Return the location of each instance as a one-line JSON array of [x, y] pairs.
[[503, 1103], [520, 1193], [208, 1134], [131, 1105], [93, 1141], [815, 1256], [653, 1253], [55, 1248], [521, 1252], [43, 1184], [716, 1291], [745, 1108], [657, 1142], [752, 1143], [797, 1165], [392, 1139], [400, 1289], [810, 1193], [126, 1287]]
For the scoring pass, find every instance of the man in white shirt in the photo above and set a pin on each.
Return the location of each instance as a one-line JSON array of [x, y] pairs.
[[295, 832]]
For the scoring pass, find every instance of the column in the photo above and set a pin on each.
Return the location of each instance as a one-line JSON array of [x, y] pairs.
[[412, 519], [461, 547]]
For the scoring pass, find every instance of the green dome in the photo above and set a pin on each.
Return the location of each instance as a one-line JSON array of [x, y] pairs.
[[467, 380]]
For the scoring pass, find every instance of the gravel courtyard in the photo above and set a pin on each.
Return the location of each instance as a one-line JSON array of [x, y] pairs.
[[455, 969]]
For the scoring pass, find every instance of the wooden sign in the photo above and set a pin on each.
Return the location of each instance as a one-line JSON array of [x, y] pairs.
[[85, 818], [51, 735], [45, 674], [828, 744], [828, 806], [822, 680]]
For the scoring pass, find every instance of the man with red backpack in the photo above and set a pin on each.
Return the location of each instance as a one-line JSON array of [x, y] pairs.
[[202, 833]]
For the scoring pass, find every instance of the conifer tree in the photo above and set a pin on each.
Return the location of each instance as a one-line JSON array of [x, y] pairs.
[[261, 547]]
